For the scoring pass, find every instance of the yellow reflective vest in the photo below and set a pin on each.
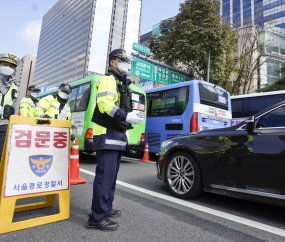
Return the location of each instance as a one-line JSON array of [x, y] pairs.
[[48, 107], [107, 99], [27, 107], [9, 99]]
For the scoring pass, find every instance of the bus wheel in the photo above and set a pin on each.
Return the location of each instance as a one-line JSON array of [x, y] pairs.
[[183, 175]]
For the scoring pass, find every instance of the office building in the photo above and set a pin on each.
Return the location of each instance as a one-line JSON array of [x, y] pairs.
[[245, 12], [78, 35], [25, 74]]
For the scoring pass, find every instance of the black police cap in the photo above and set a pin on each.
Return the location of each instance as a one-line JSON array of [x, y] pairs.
[[33, 88], [121, 54], [65, 87]]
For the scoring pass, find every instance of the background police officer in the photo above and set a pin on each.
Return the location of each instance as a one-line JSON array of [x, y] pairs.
[[112, 117], [55, 107], [28, 104], [8, 92]]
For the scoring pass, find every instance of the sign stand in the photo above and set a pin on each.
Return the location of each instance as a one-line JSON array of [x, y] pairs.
[[43, 138]]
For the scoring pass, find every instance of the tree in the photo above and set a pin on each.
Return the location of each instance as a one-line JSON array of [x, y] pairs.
[[277, 85], [186, 39]]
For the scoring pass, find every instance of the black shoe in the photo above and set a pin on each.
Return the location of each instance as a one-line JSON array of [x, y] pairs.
[[114, 213], [104, 225]]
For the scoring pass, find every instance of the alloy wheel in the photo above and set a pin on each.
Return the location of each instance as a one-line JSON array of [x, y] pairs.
[[180, 174]]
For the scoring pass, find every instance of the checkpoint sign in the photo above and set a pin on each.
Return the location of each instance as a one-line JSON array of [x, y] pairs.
[[38, 160]]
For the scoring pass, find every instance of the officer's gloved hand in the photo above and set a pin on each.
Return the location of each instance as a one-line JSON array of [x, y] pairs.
[[135, 117], [72, 137], [1, 110]]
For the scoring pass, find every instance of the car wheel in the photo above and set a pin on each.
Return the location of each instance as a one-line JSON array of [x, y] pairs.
[[183, 175]]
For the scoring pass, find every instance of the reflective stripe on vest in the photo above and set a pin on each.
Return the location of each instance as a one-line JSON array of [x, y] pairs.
[[27, 103], [28, 100], [115, 142]]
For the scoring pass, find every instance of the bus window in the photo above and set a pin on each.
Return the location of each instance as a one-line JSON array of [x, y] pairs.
[[213, 96], [82, 99], [182, 100], [139, 105], [168, 103], [72, 98]]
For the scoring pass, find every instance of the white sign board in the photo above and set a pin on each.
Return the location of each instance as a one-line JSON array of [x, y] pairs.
[[77, 123], [38, 159]]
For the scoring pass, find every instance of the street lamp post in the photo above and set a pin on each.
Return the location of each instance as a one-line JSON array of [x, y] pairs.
[[71, 62], [209, 57]]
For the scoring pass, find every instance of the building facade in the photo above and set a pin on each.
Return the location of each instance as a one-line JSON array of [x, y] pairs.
[[25, 73], [78, 35], [274, 58], [244, 12]]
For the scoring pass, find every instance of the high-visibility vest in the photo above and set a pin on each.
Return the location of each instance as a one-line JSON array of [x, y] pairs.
[[27, 107], [49, 106], [8, 99]]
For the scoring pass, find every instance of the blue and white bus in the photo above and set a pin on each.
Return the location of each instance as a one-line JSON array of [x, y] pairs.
[[185, 107], [247, 105]]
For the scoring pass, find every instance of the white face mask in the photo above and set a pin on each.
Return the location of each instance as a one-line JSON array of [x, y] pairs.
[[63, 95], [34, 94], [124, 67], [6, 70]]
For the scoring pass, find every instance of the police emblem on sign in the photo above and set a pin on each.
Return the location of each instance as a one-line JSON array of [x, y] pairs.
[[40, 164]]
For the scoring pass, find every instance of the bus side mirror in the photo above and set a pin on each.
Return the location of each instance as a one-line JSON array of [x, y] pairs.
[[249, 123]]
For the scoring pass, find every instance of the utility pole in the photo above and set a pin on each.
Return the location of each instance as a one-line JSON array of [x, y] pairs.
[[209, 57]]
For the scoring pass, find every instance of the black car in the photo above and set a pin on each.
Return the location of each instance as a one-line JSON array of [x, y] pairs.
[[245, 161]]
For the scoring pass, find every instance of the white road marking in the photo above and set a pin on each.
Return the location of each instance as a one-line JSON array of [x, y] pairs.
[[188, 204]]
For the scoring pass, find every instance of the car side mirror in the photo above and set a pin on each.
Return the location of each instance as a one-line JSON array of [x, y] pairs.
[[249, 123]]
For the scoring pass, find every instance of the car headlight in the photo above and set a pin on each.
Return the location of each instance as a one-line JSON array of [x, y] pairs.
[[165, 143]]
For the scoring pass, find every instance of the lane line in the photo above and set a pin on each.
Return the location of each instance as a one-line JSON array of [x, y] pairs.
[[211, 211]]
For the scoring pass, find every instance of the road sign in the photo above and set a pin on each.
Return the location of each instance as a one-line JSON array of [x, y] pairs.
[[162, 75], [176, 78], [155, 73], [142, 69], [141, 48]]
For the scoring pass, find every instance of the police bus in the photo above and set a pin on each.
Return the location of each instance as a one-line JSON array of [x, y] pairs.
[[82, 103], [247, 105], [185, 107]]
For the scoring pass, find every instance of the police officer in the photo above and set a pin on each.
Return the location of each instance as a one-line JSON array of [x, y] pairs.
[[112, 118], [8, 92], [28, 104], [55, 107]]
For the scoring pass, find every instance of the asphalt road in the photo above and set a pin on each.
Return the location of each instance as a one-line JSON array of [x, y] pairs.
[[150, 213]]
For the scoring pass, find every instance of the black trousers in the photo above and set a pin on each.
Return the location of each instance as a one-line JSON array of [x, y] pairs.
[[108, 163], [3, 130]]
